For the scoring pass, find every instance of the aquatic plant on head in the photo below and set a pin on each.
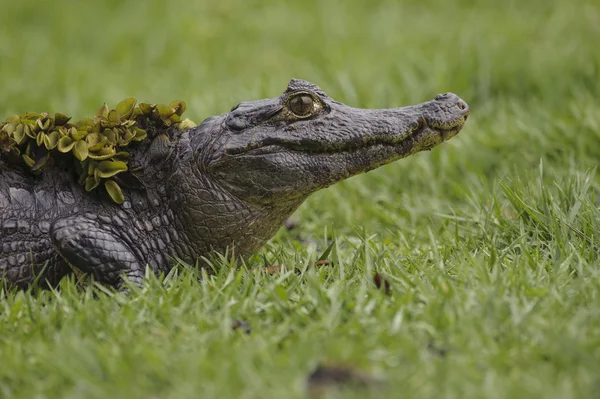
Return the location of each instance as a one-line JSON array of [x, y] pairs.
[[98, 144]]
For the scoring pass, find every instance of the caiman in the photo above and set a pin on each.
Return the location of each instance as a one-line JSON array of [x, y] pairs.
[[228, 184]]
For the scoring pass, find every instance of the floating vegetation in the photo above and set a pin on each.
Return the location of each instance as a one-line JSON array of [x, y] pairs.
[[98, 144]]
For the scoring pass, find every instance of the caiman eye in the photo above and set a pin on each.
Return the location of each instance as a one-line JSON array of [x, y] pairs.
[[302, 104]]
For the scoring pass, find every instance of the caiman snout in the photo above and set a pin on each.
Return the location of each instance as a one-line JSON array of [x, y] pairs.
[[447, 114], [453, 99]]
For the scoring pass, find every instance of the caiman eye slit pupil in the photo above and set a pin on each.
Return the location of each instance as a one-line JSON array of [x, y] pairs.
[[302, 104]]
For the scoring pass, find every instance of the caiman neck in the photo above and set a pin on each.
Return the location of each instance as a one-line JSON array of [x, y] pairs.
[[213, 219]]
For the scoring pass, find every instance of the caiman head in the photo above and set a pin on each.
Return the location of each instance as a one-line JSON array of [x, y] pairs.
[[252, 167], [283, 149]]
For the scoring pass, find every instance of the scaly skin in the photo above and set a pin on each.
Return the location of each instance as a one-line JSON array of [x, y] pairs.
[[229, 183]]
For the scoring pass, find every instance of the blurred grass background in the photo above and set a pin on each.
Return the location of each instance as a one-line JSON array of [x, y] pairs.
[[490, 240]]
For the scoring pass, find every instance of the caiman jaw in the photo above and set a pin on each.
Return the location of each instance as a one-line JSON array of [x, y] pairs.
[[445, 130]]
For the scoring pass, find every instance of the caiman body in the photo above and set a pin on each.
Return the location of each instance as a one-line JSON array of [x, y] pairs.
[[229, 183]]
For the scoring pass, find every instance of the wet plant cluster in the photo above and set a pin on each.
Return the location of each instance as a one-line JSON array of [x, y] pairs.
[[98, 145]]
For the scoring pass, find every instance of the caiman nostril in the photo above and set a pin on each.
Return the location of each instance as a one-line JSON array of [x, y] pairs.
[[464, 107]]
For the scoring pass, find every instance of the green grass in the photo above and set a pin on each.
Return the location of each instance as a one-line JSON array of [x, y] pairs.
[[490, 242]]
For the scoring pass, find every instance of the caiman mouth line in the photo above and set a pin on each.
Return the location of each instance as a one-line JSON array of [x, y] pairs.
[[404, 141]]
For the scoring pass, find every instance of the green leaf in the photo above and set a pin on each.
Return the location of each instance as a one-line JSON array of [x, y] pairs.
[[80, 150], [91, 183], [79, 134], [114, 191], [13, 119], [39, 140], [5, 144], [121, 157], [186, 124], [99, 146], [28, 161], [29, 131], [51, 140], [61, 119], [94, 138], [114, 118], [44, 125], [147, 109], [125, 108], [102, 112], [97, 128], [41, 163], [10, 128], [178, 107], [65, 144], [82, 178], [107, 169], [92, 167], [101, 155], [164, 111], [62, 131], [31, 116], [126, 137], [84, 124], [110, 135], [29, 150], [327, 251], [19, 134], [140, 134]]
